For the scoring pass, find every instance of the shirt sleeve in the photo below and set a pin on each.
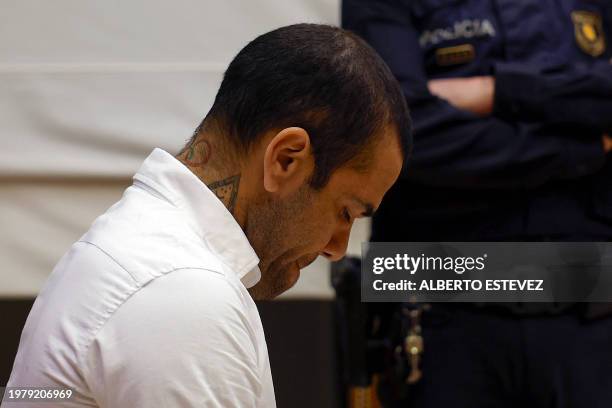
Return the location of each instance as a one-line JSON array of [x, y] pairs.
[[181, 341], [580, 94], [453, 147]]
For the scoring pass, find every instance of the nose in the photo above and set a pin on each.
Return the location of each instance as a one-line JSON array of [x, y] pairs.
[[336, 247]]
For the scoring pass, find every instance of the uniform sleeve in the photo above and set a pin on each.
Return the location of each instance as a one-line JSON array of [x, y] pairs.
[[180, 341], [454, 147], [580, 95]]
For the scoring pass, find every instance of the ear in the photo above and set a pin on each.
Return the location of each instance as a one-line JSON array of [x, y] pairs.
[[288, 161]]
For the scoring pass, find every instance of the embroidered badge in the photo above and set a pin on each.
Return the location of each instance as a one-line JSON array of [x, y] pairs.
[[464, 29], [459, 54], [588, 30]]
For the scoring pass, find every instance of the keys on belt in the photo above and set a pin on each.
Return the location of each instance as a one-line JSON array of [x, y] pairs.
[[413, 346]]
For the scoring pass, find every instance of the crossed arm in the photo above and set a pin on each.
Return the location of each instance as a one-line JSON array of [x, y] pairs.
[[478, 95], [456, 142]]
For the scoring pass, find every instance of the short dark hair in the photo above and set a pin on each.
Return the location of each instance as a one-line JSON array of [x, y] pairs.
[[322, 78]]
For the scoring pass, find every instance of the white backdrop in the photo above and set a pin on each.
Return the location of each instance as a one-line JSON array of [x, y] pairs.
[[88, 88]]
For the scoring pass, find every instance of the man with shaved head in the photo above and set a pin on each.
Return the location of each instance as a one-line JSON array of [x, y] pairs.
[[153, 306]]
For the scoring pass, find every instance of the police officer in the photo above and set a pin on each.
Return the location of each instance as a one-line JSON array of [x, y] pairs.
[[512, 109]]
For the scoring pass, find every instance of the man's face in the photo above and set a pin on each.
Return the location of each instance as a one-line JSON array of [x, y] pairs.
[[290, 234]]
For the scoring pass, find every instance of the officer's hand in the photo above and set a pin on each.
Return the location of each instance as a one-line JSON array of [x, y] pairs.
[[474, 94], [607, 143]]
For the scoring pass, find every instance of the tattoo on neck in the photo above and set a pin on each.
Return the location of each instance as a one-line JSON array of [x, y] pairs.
[[198, 153], [226, 190]]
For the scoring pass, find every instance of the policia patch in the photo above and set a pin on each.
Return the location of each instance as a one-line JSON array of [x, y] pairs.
[[588, 30]]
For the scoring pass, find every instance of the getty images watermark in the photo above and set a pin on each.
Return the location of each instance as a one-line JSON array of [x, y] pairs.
[[487, 272]]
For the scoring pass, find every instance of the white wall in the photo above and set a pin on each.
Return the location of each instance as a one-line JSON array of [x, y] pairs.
[[88, 88]]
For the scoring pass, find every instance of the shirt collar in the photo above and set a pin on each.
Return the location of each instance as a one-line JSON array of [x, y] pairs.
[[205, 212]]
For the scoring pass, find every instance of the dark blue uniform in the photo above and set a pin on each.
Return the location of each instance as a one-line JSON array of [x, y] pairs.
[[533, 170], [536, 168]]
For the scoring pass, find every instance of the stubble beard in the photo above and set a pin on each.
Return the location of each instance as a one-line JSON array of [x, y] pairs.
[[273, 227]]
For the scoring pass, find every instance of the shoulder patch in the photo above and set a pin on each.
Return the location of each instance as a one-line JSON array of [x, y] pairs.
[[588, 30]]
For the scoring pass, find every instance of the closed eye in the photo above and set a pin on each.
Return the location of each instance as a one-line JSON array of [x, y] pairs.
[[346, 214]]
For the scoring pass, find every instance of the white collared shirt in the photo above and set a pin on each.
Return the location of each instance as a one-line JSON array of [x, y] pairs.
[[150, 307]]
